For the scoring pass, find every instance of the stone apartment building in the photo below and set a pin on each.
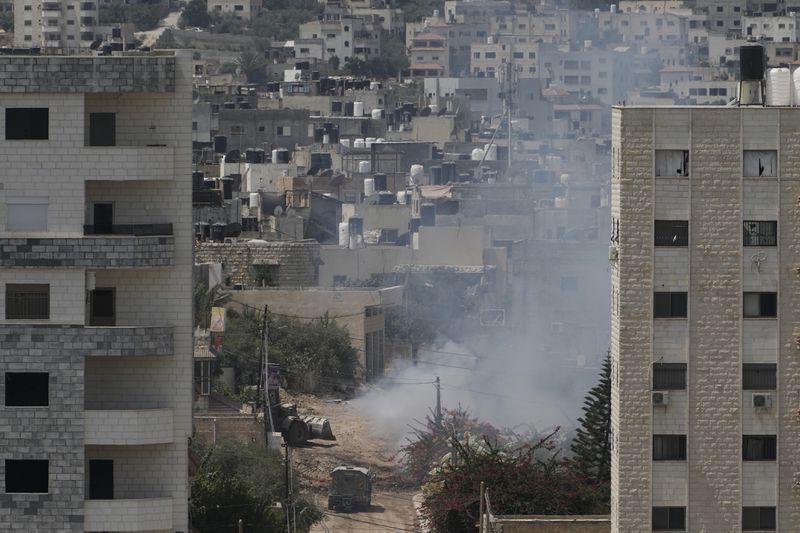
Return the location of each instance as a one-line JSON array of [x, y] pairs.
[[96, 320], [704, 337]]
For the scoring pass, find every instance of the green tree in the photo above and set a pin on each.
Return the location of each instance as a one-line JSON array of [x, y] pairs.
[[334, 62], [242, 481], [204, 300], [521, 478], [253, 65], [227, 23], [280, 19], [591, 446], [145, 15], [195, 14]]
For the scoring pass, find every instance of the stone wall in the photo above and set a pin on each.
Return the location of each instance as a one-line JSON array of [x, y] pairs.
[[553, 524], [246, 428], [78, 341], [298, 261], [88, 252], [114, 74]]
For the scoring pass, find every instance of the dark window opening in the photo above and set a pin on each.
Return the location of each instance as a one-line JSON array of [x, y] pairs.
[[266, 275], [102, 308], [760, 304], [759, 448], [388, 236], [758, 519], [27, 389], [102, 129], [27, 302], [760, 232], [101, 479], [669, 376], [669, 447], [26, 476], [103, 218], [759, 376], [27, 123], [670, 304], [669, 519], [672, 163], [202, 377], [672, 233]]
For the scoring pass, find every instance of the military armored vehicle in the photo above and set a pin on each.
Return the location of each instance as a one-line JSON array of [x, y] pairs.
[[351, 489], [297, 429]]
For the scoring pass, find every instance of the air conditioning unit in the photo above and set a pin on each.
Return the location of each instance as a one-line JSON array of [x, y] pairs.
[[660, 398], [761, 400], [613, 253]]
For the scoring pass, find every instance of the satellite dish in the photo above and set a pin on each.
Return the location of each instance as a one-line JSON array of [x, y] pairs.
[[278, 211]]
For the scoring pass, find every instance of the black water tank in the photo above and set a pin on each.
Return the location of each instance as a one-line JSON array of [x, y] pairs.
[[318, 134], [116, 33], [198, 176], [237, 181], [436, 175], [348, 109], [355, 225], [414, 224], [381, 182], [752, 62], [218, 232], [259, 155], [204, 230], [227, 188], [220, 144], [336, 107], [386, 198], [427, 215], [449, 172]]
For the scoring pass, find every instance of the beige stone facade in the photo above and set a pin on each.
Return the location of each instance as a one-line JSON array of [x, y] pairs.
[[717, 483]]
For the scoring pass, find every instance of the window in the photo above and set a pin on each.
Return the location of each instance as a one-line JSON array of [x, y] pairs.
[[490, 55], [27, 302], [669, 376], [760, 163], [27, 389], [202, 377], [669, 447], [283, 131], [26, 214], [759, 376], [237, 130], [669, 304], [669, 519], [26, 476], [388, 236], [238, 7], [760, 305], [476, 55], [759, 447], [27, 123], [519, 55], [339, 280], [758, 519], [672, 162], [760, 232], [672, 233]]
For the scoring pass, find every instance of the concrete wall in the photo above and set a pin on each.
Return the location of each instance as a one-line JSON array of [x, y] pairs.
[[553, 524]]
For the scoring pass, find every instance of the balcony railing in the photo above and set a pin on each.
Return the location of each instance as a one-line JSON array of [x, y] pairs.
[[109, 341], [128, 427], [139, 230], [146, 514], [101, 251]]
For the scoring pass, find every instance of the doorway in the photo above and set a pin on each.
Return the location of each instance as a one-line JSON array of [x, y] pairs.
[[101, 479], [103, 215], [102, 307], [102, 129]]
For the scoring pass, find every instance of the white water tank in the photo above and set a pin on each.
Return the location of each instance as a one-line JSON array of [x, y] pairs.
[[326, 139], [796, 85], [359, 143], [416, 173], [477, 154], [376, 114], [779, 90], [364, 167], [345, 142], [374, 86], [613, 8], [369, 141], [358, 109], [369, 186], [274, 156], [560, 202], [491, 152], [380, 140], [255, 199], [434, 109], [490, 40], [344, 234], [402, 197]]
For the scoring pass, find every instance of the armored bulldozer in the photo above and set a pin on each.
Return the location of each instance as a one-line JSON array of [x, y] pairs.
[[297, 429], [351, 489]]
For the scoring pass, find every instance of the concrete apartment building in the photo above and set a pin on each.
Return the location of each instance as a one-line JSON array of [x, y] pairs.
[[241, 9], [704, 336], [96, 269], [62, 24]]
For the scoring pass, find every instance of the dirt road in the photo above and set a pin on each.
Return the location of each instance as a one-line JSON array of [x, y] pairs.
[[357, 443]]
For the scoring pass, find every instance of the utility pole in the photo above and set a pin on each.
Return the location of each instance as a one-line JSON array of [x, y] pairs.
[[437, 414], [509, 104], [288, 481], [269, 426]]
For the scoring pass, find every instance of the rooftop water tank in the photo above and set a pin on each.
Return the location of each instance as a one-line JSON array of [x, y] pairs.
[[779, 87]]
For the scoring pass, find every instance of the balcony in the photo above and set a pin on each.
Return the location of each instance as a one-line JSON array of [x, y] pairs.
[[151, 514], [136, 427], [146, 246], [79, 341], [124, 163]]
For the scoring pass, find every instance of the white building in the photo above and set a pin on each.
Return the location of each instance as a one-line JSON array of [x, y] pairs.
[[704, 336], [96, 239], [242, 9]]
